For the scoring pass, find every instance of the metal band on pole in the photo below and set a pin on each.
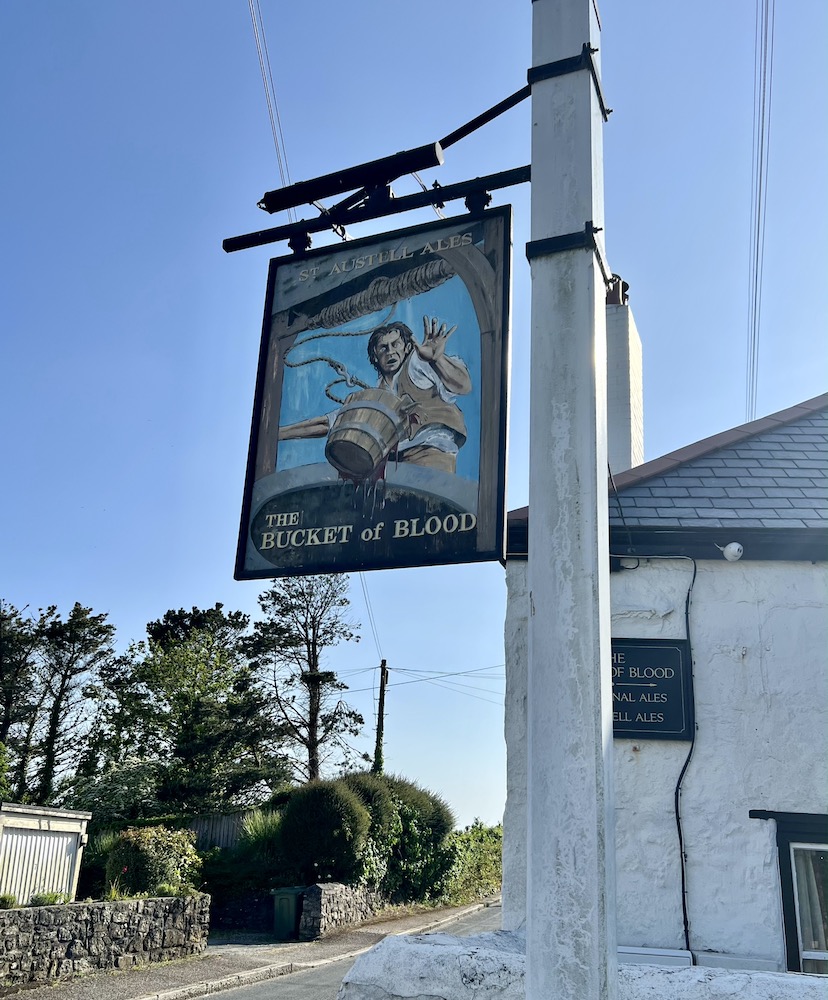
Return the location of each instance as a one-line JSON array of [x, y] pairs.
[[572, 65], [582, 240]]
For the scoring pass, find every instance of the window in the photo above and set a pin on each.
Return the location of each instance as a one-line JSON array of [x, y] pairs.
[[802, 841], [810, 868]]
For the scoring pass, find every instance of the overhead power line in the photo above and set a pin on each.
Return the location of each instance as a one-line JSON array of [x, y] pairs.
[[370, 610], [270, 96], [444, 679], [762, 92]]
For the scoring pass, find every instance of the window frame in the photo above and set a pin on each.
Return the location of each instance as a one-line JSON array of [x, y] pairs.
[[805, 954], [801, 830]]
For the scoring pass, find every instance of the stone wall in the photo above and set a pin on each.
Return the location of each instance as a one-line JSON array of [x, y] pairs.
[[42, 943], [330, 907]]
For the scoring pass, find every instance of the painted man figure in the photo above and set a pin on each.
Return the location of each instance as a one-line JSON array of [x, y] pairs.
[[430, 377]]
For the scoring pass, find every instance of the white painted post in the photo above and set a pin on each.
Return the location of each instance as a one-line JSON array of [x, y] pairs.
[[570, 926]]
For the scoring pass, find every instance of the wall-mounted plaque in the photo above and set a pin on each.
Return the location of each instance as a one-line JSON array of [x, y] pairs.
[[652, 689]]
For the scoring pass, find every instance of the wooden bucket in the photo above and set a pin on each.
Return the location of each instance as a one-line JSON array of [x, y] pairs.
[[368, 426]]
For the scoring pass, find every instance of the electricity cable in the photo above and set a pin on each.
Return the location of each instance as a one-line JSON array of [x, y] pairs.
[[437, 211], [677, 793], [420, 680], [762, 93], [460, 686], [619, 505], [468, 694], [371, 619], [453, 673], [270, 96]]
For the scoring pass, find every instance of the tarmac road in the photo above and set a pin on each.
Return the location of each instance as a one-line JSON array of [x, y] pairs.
[[323, 983]]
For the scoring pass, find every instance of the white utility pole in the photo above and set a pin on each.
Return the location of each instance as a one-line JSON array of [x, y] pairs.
[[570, 925]]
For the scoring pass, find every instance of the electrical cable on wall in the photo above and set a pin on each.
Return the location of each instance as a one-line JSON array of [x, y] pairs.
[[677, 796], [677, 793], [619, 505]]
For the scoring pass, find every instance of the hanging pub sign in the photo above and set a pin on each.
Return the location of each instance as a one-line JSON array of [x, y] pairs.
[[379, 423], [652, 689]]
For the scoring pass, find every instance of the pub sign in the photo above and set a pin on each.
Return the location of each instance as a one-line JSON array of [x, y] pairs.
[[652, 689], [379, 425]]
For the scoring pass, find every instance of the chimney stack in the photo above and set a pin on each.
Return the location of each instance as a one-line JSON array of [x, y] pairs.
[[625, 383]]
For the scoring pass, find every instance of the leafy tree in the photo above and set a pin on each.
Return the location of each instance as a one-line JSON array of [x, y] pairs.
[[303, 618], [120, 793], [5, 788], [46, 665], [19, 641], [189, 704], [423, 855], [227, 628]]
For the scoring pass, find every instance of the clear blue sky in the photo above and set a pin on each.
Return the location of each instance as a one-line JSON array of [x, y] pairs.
[[136, 138]]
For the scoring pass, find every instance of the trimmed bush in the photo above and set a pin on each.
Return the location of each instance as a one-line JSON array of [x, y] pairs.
[[385, 829], [141, 860], [435, 812], [8, 901], [423, 857], [323, 833], [280, 798]]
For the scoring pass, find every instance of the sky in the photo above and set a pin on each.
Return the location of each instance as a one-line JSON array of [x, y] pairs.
[[136, 138]]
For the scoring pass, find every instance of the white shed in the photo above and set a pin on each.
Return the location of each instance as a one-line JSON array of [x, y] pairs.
[[40, 850]]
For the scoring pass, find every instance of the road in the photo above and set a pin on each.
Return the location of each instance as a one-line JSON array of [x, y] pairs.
[[323, 983]]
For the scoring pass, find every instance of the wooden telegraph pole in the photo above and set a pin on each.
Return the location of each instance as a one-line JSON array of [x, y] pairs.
[[376, 767], [570, 926]]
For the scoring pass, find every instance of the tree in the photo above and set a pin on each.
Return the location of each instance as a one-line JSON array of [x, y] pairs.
[[46, 666], [227, 628], [190, 704], [19, 641], [5, 787], [303, 618]]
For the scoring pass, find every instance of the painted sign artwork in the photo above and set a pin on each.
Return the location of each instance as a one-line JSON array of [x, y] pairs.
[[379, 425]]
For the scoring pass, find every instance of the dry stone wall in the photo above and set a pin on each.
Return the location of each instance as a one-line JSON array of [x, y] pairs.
[[332, 906], [43, 943]]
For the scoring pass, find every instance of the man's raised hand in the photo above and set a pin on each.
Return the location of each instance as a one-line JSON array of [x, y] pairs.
[[435, 336]]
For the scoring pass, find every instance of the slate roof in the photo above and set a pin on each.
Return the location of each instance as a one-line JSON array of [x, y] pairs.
[[766, 475], [770, 473]]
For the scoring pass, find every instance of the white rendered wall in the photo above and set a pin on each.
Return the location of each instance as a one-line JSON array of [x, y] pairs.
[[514, 817], [759, 633], [625, 391]]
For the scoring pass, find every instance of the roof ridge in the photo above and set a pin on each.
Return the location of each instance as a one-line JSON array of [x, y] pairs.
[[673, 459]]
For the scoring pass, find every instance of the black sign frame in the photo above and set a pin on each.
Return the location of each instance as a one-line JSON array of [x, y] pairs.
[[435, 518], [652, 689]]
